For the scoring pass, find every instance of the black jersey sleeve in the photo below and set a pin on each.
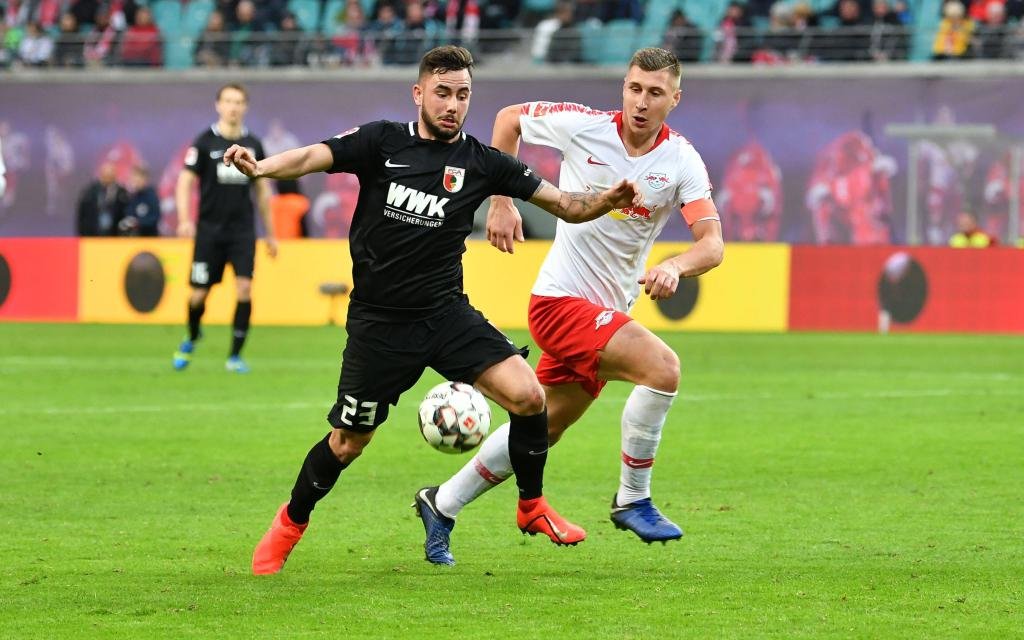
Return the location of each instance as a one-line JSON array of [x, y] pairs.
[[258, 146], [509, 176], [196, 156], [355, 149]]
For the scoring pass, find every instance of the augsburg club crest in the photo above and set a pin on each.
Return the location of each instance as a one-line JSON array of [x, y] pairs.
[[453, 179]]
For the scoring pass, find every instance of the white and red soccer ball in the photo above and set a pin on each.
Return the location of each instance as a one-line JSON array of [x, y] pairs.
[[454, 417]]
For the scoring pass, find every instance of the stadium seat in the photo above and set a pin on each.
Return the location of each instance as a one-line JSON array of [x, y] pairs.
[[307, 14], [539, 6], [329, 19], [927, 15], [167, 16], [178, 52], [194, 17], [619, 38], [591, 34]]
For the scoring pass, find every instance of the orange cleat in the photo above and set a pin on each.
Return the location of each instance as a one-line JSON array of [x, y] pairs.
[[536, 516], [273, 549]]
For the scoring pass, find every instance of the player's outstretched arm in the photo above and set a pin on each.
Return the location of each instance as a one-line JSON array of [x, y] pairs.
[[706, 253], [504, 222], [287, 165], [580, 207]]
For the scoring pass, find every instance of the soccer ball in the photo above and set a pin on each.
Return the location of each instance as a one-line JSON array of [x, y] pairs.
[[454, 417]]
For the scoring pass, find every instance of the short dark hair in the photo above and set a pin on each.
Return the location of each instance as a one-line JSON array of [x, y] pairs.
[[236, 87], [655, 59], [446, 58]]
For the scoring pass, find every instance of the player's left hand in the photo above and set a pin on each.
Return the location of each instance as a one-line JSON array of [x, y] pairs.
[[660, 282], [243, 159], [271, 246], [625, 194]]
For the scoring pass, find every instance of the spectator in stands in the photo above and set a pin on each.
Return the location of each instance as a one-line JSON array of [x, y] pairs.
[[142, 45], [969, 235], [734, 38], [418, 37], [622, 10], [68, 49], [989, 36], [888, 35], [248, 47], [36, 47], [1014, 10], [85, 11], [102, 204], [852, 41], [556, 39], [782, 42], [288, 45], [349, 34], [953, 39], [101, 41], [288, 208], [978, 10], [683, 39], [760, 8], [385, 30], [462, 21], [902, 12], [7, 55], [142, 213], [214, 46]]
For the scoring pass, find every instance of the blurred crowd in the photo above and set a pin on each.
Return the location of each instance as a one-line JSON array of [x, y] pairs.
[[332, 33]]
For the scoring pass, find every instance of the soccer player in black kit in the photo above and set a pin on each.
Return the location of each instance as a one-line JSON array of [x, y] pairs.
[[226, 231], [420, 184]]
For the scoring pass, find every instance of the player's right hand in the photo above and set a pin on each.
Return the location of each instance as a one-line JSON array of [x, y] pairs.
[[243, 159], [624, 194], [186, 229], [504, 224]]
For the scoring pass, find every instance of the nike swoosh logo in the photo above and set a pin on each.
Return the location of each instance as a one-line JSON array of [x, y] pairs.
[[216, 154], [391, 165], [316, 485], [590, 160], [537, 453]]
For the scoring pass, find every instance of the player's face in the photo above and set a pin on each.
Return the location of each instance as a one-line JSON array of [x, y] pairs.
[[231, 106], [443, 101], [647, 98]]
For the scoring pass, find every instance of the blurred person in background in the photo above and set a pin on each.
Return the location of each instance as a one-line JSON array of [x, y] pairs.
[[969, 235], [36, 47], [214, 46], [69, 49], [556, 38], [288, 208], [990, 33], [750, 198], [102, 204], [733, 38], [683, 38], [888, 36], [101, 41], [142, 45], [226, 229], [142, 216], [418, 37], [996, 196], [288, 44], [953, 39], [248, 47], [385, 31]]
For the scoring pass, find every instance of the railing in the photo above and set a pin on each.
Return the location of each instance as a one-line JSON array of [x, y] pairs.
[[585, 44]]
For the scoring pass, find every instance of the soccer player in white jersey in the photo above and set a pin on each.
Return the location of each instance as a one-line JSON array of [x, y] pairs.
[[592, 277]]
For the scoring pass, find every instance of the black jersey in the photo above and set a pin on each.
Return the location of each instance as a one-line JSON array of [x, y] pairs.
[[225, 201], [416, 203]]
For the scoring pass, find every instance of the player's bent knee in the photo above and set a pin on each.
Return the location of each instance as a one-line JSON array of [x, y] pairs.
[[527, 402], [663, 374]]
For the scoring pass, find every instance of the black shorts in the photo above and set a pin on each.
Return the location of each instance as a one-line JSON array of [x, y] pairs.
[[212, 252], [382, 360]]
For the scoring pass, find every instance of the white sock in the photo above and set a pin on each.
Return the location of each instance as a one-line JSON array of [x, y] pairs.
[[489, 467], [642, 420]]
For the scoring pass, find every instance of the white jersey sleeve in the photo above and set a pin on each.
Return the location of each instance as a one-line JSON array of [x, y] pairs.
[[694, 182], [553, 124]]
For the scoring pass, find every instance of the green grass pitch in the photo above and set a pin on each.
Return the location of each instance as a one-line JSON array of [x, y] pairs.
[[848, 486]]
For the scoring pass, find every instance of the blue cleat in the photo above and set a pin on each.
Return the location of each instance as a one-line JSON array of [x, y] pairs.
[[644, 519], [183, 356], [437, 526], [235, 364]]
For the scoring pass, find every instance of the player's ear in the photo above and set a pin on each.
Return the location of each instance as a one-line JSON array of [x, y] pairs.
[[417, 95]]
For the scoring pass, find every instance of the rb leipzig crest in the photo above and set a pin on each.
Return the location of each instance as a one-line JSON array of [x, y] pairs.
[[453, 179], [656, 181]]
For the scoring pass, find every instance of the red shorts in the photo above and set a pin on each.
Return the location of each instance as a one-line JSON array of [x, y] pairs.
[[572, 332]]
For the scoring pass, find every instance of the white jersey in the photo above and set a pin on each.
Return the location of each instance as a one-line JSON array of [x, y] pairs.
[[602, 260]]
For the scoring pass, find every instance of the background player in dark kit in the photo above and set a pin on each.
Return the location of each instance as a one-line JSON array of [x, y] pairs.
[[226, 229], [420, 184]]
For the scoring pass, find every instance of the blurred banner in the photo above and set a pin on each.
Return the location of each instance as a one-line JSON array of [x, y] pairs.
[[794, 160], [759, 287]]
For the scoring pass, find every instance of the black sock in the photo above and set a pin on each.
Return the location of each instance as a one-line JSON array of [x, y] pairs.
[[319, 472], [528, 449], [243, 310], [195, 314]]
